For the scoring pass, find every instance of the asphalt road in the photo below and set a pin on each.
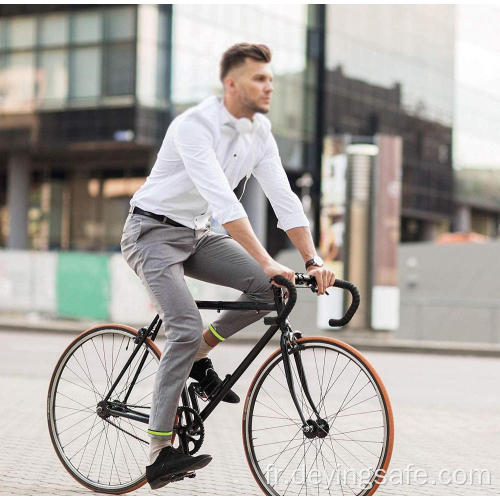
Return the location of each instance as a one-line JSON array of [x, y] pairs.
[[446, 410]]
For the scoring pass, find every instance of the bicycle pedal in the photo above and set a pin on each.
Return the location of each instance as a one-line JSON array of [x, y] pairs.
[[181, 476], [199, 392]]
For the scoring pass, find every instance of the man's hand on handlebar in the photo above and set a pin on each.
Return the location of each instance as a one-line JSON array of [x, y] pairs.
[[276, 269], [324, 278]]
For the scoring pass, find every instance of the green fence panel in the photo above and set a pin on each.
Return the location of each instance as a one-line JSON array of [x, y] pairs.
[[83, 285]]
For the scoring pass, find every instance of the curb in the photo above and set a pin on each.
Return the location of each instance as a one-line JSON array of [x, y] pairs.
[[384, 343]]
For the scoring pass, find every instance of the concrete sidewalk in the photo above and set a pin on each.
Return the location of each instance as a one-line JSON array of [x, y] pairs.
[[363, 340]]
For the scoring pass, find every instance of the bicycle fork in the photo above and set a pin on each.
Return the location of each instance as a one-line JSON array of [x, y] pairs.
[[311, 428]]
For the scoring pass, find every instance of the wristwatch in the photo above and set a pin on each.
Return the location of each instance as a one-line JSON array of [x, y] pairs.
[[316, 261]]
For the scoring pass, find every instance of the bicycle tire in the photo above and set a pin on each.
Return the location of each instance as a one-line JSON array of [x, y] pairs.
[[378, 411], [78, 371]]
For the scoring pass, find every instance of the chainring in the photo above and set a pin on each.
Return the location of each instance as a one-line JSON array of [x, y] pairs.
[[189, 429]]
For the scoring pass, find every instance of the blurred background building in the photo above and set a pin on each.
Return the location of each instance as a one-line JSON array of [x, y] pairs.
[[86, 94]]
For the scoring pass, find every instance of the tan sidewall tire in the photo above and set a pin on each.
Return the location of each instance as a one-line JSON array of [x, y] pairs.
[[94, 329], [378, 381]]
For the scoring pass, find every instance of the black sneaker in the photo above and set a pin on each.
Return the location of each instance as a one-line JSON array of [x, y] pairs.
[[171, 465], [204, 373]]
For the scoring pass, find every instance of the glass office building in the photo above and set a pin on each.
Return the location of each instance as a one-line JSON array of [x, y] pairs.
[[99, 86], [390, 70], [78, 121], [87, 92]]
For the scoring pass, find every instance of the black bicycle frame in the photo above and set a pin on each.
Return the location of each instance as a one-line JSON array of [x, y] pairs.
[[189, 397], [287, 345], [229, 381]]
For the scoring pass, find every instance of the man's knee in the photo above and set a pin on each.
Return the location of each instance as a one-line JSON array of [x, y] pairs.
[[262, 291], [184, 328]]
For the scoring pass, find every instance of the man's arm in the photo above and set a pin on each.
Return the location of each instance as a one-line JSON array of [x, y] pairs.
[[242, 232], [291, 218], [302, 240]]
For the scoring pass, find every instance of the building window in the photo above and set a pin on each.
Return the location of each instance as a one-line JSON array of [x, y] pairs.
[[87, 27], [21, 32], [53, 30], [17, 83], [54, 74], [120, 23], [85, 73], [3, 34], [119, 66], [56, 60]]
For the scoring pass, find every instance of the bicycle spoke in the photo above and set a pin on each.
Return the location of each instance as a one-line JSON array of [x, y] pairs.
[[276, 442], [357, 441], [360, 402], [102, 452], [273, 410], [76, 423], [75, 454], [96, 392], [335, 380], [274, 427], [88, 371]]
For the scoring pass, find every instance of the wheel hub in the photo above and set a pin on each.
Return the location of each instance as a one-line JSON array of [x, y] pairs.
[[103, 409], [316, 428]]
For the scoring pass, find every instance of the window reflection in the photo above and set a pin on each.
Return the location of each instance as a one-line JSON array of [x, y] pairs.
[[87, 27], [119, 70], [85, 72], [120, 23], [20, 32], [54, 74], [53, 30], [412, 45], [202, 33]]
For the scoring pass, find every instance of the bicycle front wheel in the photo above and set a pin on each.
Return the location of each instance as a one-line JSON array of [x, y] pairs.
[[353, 456], [105, 453]]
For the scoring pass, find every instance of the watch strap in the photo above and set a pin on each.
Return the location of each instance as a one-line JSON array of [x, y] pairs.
[[312, 262]]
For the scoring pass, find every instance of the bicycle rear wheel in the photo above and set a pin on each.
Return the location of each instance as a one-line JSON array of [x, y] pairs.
[[353, 456], [107, 454]]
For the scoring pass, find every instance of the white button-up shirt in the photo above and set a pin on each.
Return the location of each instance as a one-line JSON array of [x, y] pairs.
[[204, 157]]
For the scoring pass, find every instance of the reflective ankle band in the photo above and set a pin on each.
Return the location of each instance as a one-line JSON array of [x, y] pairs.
[[215, 334], [157, 433]]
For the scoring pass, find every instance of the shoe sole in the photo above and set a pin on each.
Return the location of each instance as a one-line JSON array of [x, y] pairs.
[[231, 401], [178, 475]]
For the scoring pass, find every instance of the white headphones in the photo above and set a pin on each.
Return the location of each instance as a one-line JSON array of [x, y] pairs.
[[244, 125]]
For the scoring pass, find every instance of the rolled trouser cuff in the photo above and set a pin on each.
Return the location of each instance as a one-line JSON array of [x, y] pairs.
[[215, 333], [160, 434]]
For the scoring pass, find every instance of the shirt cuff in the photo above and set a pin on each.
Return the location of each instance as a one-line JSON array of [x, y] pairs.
[[297, 219], [230, 213]]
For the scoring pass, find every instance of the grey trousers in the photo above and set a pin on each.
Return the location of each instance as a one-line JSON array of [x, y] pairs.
[[161, 254]]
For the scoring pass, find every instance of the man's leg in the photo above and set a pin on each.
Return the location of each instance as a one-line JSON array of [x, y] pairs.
[[156, 253], [221, 260]]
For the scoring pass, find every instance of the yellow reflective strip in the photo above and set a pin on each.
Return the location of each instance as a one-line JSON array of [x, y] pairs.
[[156, 433], [215, 334]]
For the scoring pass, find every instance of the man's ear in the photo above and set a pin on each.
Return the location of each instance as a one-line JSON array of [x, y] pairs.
[[229, 84]]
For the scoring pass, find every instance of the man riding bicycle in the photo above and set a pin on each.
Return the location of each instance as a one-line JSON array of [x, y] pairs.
[[206, 152]]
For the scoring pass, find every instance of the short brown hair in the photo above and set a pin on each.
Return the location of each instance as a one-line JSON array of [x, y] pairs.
[[236, 54]]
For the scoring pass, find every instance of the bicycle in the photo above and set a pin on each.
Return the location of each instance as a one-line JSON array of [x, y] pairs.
[[338, 423]]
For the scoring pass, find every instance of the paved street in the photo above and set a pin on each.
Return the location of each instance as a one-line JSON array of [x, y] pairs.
[[446, 411]]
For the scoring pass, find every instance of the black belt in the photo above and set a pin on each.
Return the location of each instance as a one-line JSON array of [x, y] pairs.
[[161, 218]]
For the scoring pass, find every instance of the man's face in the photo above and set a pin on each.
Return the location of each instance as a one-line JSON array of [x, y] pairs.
[[251, 85]]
